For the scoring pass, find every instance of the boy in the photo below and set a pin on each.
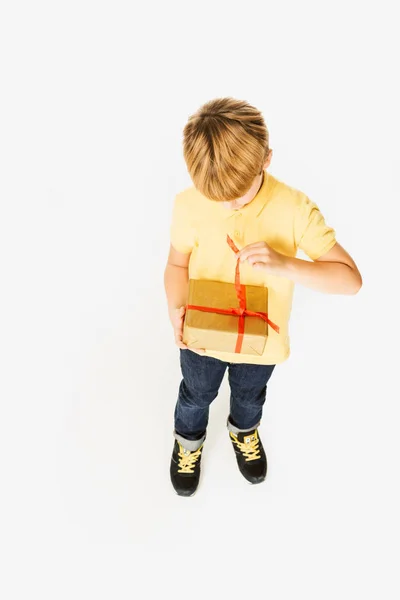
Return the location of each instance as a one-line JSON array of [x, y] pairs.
[[226, 149]]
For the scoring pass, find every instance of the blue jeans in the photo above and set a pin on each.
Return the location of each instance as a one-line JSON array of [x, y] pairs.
[[202, 377]]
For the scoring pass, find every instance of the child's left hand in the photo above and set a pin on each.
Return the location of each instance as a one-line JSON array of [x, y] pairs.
[[262, 256]]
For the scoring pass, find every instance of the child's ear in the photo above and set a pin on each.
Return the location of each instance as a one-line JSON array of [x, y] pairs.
[[268, 159]]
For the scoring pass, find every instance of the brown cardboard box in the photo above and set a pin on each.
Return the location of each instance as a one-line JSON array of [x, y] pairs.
[[212, 331]]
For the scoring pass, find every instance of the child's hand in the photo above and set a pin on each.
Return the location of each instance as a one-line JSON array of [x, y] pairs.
[[262, 256], [177, 317]]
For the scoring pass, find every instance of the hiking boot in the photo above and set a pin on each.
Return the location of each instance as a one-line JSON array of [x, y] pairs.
[[185, 469], [250, 455]]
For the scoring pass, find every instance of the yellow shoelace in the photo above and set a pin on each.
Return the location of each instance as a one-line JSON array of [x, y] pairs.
[[249, 448], [187, 459]]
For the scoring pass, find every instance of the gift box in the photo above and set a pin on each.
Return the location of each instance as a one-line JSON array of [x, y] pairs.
[[218, 318], [227, 317]]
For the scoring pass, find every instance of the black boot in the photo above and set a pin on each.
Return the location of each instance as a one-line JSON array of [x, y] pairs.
[[250, 455], [185, 469]]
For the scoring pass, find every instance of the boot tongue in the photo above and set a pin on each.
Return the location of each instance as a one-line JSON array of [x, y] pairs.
[[185, 451], [247, 437]]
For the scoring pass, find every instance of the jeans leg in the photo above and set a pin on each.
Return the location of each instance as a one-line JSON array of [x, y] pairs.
[[202, 377], [248, 392]]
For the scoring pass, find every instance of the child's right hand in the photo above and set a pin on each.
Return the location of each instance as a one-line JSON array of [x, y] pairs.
[[177, 317]]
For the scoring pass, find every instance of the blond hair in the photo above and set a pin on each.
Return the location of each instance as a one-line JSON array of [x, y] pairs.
[[225, 145]]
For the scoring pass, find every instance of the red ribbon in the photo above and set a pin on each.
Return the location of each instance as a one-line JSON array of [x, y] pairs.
[[240, 312]]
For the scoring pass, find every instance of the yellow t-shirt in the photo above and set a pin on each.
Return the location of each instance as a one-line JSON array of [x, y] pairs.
[[279, 215]]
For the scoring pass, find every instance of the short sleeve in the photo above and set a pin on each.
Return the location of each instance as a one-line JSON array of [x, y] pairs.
[[313, 235], [182, 230]]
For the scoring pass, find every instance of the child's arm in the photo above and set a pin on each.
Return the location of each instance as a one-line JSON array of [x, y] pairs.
[[334, 273], [176, 280]]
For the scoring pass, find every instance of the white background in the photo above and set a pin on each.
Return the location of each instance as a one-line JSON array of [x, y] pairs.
[[94, 98]]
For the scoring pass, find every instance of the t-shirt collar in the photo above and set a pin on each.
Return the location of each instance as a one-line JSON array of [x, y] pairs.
[[253, 208]]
